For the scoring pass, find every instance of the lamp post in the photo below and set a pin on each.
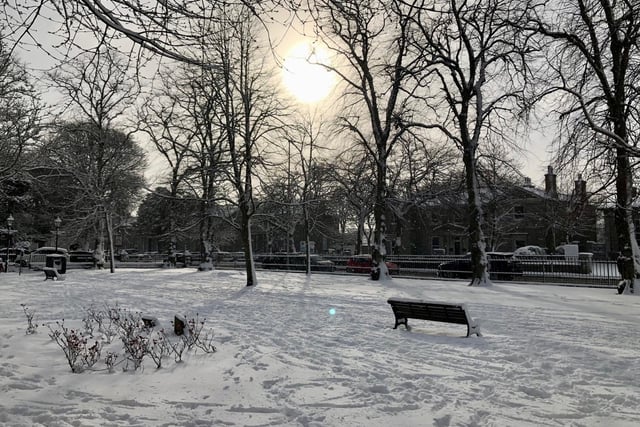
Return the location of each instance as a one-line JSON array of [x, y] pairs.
[[9, 224], [57, 223]]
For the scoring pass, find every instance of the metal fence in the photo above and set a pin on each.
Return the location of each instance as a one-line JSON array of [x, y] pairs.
[[570, 270], [579, 271], [576, 271], [552, 269]]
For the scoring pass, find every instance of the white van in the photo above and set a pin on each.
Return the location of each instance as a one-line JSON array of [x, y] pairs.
[[38, 258]]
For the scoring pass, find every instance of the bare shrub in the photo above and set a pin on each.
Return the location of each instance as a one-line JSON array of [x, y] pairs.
[[158, 349], [32, 327], [74, 346], [195, 337]]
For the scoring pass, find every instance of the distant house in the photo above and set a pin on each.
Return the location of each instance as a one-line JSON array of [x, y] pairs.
[[515, 215], [608, 234]]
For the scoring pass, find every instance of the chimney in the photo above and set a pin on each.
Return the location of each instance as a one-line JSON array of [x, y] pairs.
[[580, 189], [527, 182], [550, 187]]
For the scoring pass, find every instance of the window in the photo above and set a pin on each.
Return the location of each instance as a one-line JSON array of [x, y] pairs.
[[435, 242], [457, 246], [518, 211]]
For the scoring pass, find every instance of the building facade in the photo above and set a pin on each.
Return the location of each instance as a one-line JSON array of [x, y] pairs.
[[513, 215]]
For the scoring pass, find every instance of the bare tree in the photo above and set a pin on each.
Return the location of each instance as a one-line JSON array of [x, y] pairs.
[[279, 214], [305, 137], [182, 120], [592, 49], [418, 171], [500, 178], [169, 28], [161, 119], [102, 172], [371, 42], [352, 170], [470, 82], [96, 85], [99, 90], [20, 113], [247, 112]]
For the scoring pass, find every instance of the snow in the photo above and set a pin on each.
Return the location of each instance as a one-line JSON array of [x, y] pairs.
[[550, 355]]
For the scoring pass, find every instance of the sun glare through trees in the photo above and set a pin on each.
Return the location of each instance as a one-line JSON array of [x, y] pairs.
[[304, 74], [349, 125]]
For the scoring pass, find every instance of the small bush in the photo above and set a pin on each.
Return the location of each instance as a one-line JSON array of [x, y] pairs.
[[194, 336], [177, 347], [135, 349], [138, 340], [74, 346], [110, 360], [133, 337], [32, 327], [158, 349]]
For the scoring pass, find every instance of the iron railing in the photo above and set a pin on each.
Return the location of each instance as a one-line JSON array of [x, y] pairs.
[[580, 271], [553, 269]]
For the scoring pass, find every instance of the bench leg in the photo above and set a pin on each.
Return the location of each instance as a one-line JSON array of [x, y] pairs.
[[402, 321], [473, 329]]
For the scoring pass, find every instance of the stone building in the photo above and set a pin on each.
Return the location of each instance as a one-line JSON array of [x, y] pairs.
[[515, 215]]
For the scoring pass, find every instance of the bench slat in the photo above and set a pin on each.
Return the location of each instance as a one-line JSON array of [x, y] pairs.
[[433, 311]]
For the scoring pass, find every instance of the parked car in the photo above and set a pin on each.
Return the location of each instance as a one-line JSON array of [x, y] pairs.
[[530, 250], [131, 254], [38, 258], [229, 257], [259, 258], [238, 256], [363, 263], [502, 265], [184, 258], [82, 257], [17, 256], [297, 262], [135, 257]]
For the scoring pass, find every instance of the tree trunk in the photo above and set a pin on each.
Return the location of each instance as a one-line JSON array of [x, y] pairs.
[[476, 236], [307, 233], [625, 227], [206, 249], [378, 267], [245, 234], [112, 260], [99, 252], [359, 235], [291, 244]]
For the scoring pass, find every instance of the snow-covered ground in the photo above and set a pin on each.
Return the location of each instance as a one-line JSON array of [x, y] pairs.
[[322, 351]]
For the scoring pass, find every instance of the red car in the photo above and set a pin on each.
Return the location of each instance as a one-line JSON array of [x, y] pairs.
[[362, 264]]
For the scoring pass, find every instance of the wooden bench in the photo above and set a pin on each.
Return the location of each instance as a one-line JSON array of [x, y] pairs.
[[405, 309], [51, 273]]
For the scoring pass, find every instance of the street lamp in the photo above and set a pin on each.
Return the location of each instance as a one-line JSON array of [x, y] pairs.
[[57, 223], [9, 224]]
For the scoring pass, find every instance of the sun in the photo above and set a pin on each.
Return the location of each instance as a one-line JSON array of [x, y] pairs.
[[302, 75]]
